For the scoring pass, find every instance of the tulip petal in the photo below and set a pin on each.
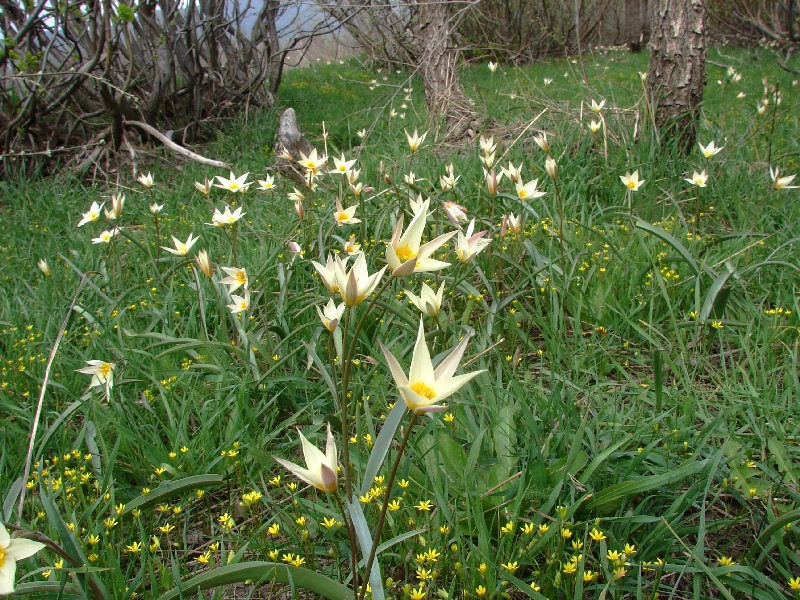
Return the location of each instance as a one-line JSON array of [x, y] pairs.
[[394, 366], [421, 366], [448, 366], [21, 548]]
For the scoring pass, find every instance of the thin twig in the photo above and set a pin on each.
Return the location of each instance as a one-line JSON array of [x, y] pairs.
[[40, 403]]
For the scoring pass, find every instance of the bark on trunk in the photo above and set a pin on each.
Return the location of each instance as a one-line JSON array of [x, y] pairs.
[[677, 71], [448, 106]]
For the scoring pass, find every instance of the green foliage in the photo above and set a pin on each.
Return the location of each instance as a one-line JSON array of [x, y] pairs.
[[633, 436]]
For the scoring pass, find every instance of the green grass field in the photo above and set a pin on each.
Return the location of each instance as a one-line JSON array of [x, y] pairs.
[[634, 434]]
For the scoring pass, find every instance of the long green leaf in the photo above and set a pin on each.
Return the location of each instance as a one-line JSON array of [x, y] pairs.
[[365, 541], [261, 571], [717, 296], [672, 241], [382, 443], [172, 488], [613, 495]]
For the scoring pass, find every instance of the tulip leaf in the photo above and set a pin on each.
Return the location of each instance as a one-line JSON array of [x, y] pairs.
[[672, 241], [614, 495], [72, 547], [172, 488], [51, 588], [717, 294], [261, 571], [365, 541], [11, 498], [382, 443]]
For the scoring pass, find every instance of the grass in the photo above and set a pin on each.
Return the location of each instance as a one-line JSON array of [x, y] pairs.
[[635, 432]]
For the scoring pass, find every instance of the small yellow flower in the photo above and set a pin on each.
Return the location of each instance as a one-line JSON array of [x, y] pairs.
[[614, 555], [482, 569], [480, 591], [134, 548], [528, 528], [166, 528], [403, 483], [726, 561], [543, 528], [508, 527], [274, 529], [794, 583], [204, 558], [424, 505], [511, 567], [597, 535], [419, 593], [589, 576], [570, 568], [566, 533], [330, 523], [394, 505], [226, 521], [630, 550]]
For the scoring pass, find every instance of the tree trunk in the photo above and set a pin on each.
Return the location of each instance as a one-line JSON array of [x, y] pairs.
[[636, 30], [677, 71], [448, 106]]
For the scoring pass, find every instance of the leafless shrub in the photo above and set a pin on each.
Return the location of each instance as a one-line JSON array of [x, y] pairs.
[[79, 77]]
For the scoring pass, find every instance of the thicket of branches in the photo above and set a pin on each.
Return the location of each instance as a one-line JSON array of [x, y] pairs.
[[776, 22], [85, 78], [520, 31]]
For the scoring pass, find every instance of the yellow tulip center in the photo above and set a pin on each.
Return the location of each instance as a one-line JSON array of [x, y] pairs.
[[104, 370], [423, 389], [233, 186], [523, 193], [342, 217], [405, 253], [2, 557], [241, 277], [631, 185]]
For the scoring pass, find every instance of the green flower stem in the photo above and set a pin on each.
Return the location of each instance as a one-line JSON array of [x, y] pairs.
[[348, 485], [382, 517], [348, 351], [200, 305], [351, 535], [233, 244], [158, 233]]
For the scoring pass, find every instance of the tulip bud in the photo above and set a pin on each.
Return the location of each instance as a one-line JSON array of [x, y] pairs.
[[551, 167], [204, 263], [541, 141], [44, 267], [298, 207], [117, 202], [491, 182]]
